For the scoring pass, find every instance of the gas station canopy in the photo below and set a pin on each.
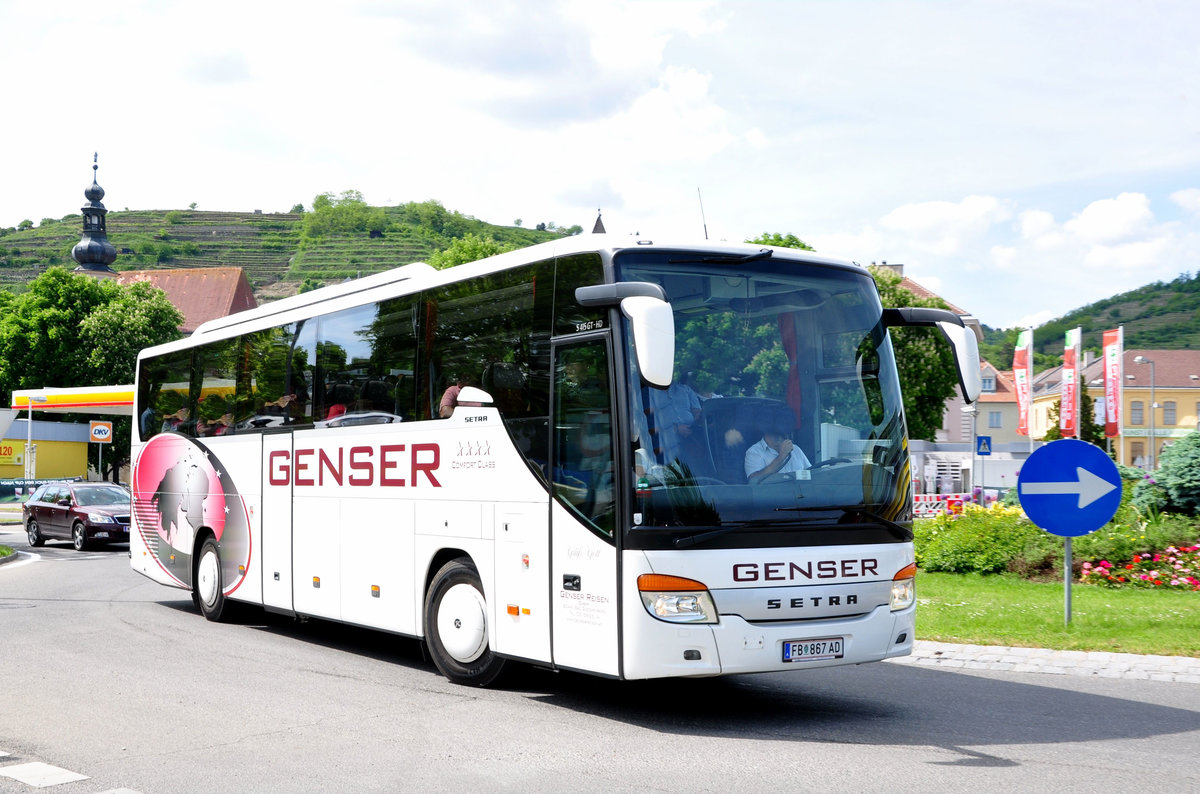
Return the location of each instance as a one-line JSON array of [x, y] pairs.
[[112, 400]]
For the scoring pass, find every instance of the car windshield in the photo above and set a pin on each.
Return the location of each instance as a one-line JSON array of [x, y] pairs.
[[107, 495], [785, 409]]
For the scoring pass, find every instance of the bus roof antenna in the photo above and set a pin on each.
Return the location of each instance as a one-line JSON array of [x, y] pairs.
[[703, 221]]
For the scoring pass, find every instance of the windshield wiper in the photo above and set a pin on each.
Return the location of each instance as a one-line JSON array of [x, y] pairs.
[[700, 537], [897, 530]]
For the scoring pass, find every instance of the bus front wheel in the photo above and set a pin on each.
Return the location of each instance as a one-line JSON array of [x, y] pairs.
[[206, 583], [456, 629]]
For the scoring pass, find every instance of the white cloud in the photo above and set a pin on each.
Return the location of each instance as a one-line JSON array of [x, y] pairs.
[[1033, 320], [1189, 199], [943, 227], [1004, 257], [1143, 256], [1035, 223], [1109, 220]]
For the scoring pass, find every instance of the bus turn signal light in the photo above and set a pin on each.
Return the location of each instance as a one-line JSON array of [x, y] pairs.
[[904, 589], [675, 599]]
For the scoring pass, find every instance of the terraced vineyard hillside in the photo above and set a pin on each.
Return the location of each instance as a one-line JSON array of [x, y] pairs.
[[272, 248]]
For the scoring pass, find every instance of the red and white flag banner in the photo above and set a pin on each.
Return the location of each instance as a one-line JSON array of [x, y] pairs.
[[1114, 374], [1068, 408], [1023, 378]]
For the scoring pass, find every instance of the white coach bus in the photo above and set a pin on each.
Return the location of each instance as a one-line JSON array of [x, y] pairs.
[[662, 460]]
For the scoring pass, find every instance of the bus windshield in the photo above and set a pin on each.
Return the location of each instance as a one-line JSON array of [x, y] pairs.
[[784, 415]]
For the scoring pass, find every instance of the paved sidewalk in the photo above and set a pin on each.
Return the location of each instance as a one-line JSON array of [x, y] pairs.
[[1041, 660]]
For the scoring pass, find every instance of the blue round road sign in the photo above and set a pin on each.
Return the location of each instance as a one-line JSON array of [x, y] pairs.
[[1069, 487]]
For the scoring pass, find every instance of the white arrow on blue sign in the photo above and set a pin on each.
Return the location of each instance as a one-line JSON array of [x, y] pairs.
[[1069, 488]]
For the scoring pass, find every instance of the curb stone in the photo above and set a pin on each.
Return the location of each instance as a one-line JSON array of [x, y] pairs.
[[1100, 664]]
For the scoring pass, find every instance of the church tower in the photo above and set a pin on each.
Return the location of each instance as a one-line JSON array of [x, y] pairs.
[[94, 252]]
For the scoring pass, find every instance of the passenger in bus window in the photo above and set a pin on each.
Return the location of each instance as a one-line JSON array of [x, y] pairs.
[[175, 421], [450, 396], [674, 410], [774, 454]]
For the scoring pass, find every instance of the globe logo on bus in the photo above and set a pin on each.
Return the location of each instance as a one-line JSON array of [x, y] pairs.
[[179, 490]]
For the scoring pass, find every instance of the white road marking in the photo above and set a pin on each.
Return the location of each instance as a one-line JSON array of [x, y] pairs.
[[40, 775]]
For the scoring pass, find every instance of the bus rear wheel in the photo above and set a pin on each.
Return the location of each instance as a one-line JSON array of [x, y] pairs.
[[456, 626], [207, 592]]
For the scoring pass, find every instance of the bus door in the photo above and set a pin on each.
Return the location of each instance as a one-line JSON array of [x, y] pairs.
[[276, 523], [583, 582]]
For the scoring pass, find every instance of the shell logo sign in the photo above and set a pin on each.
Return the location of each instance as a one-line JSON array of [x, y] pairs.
[[101, 432]]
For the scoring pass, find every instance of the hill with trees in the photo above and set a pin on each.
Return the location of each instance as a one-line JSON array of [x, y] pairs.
[[339, 237], [1162, 315]]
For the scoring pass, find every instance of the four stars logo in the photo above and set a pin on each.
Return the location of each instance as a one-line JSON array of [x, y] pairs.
[[474, 449]]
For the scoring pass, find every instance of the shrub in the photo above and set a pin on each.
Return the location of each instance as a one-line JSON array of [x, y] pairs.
[[1148, 496], [174, 216], [981, 540], [1180, 474]]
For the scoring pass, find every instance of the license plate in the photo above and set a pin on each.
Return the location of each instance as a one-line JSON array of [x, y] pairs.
[[814, 650], [101, 535]]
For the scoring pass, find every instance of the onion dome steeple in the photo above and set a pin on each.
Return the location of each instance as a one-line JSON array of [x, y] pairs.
[[94, 252]]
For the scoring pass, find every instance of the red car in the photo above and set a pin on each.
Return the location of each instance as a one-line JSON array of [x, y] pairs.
[[81, 512]]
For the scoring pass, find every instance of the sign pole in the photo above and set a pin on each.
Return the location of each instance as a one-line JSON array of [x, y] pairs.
[[1069, 488], [100, 466], [1067, 580]]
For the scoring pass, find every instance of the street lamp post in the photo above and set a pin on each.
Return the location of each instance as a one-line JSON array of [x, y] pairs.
[[30, 459], [972, 410], [1153, 404]]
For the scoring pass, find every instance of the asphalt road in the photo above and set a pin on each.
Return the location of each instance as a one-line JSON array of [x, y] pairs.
[[110, 676]]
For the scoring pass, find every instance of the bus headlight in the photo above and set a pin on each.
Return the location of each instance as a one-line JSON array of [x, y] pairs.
[[904, 587], [675, 599]]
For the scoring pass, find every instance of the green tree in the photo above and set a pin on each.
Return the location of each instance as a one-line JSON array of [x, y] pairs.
[[467, 248], [75, 330], [347, 213], [781, 241], [928, 373], [25, 224]]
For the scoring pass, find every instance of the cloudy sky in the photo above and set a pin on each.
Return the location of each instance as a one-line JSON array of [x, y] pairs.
[[1020, 158]]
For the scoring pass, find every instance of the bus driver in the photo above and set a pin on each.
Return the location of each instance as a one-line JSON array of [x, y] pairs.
[[774, 454]]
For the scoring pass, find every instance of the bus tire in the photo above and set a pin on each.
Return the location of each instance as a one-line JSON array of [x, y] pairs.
[[456, 626], [207, 591]]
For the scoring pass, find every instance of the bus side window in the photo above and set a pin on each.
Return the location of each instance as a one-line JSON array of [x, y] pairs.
[[217, 401], [277, 365], [163, 398]]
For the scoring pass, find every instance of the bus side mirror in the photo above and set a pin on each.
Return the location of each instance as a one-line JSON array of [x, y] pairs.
[[653, 325], [962, 341]]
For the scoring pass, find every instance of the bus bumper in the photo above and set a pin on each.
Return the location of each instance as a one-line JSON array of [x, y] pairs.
[[735, 645]]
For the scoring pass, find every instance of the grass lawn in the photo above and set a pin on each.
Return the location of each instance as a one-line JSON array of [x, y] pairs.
[[1006, 610], [5, 551]]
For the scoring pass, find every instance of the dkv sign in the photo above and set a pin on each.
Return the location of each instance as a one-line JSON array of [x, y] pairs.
[[101, 432]]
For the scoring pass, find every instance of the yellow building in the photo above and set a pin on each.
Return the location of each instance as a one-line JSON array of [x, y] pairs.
[[61, 450], [1160, 401]]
